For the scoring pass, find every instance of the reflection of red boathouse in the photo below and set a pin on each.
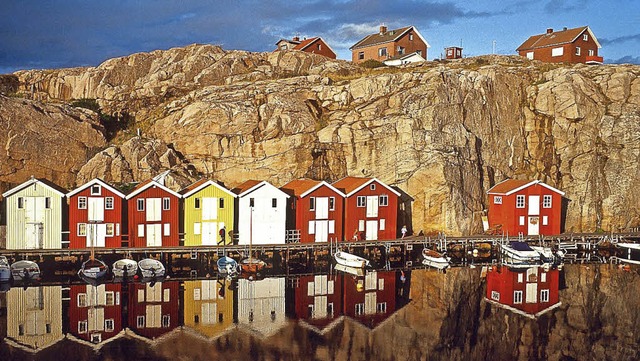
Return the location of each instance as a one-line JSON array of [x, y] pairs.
[[95, 312], [318, 299], [153, 309], [530, 292]]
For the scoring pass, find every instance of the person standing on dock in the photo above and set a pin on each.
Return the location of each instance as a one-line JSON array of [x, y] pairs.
[[404, 231], [355, 236], [223, 234]]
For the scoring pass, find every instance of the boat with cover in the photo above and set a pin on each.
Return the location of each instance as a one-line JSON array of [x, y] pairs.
[[548, 256], [25, 270], [151, 268], [93, 268], [350, 260], [5, 269], [350, 270], [227, 266], [435, 259], [517, 253], [124, 268], [629, 252]]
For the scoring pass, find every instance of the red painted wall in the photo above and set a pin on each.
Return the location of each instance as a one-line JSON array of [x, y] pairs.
[[303, 300], [569, 52], [299, 211], [169, 307], [324, 49], [352, 297], [77, 314], [410, 46], [353, 213], [505, 281], [171, 216], [115, 216], [507, 215]]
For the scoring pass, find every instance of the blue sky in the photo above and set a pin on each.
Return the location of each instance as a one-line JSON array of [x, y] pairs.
[[68, 33]]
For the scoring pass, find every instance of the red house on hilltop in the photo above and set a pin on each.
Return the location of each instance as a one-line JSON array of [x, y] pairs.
[[316, 209], [315, 45], [388, 44], [95, 312], [524, 207], [96, 215], [154, 215], [577, 45], [371, 209], [532, 291]]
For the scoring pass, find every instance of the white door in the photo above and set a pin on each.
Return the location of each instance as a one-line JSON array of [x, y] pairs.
[[153, 316], [209, 234], [534, 205], [31, 235], [96, 234], [209, 209], [371, 230], [154, 210], [532, 293], [322, 207], [370, 303], [95, 209], [322, 231], [154, 235], [34, 209], [320, 307], [533, 228], [372, 206]]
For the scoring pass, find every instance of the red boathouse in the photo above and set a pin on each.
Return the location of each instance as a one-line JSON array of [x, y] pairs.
[[95, 312], [153, 308], [524, 207], [315, 208], [96, 215], [371, 209]]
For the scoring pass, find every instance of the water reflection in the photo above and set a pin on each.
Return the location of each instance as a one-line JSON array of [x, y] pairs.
[[95, 311], [208, 306], [153, 308], [34, 316], [261, 304]]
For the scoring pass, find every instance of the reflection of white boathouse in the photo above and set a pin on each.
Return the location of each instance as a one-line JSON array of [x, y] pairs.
[[34, 317], [261, 304]]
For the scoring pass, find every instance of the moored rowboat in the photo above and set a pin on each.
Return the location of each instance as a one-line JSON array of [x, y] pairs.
[[93, 268], [5, 269], [151, 268], [25, 270], [350, 260], [124, 268], [434, 259]]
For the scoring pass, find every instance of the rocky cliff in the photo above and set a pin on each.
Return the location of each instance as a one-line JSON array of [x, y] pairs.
[[443, 132]]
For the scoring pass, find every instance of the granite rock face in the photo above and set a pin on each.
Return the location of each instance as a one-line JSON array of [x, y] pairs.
[[442, 132]]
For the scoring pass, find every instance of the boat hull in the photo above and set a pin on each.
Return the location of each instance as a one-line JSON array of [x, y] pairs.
[[434, 259], [25, 270], [125, 268], [151, 268], [94, 269], [227, 265], [350, 260]]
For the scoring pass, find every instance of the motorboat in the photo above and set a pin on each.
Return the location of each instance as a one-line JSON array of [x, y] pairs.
[[350, 260], [124, 268], [25, 270], [519, 253], [151, 268], [629, 252], [93, 268], [435, 259], [548, 256], [252, 265], [350, 270], [5, 269], [227, 266]]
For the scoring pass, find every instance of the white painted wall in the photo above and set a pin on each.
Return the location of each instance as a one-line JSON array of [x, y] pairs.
[[268, 224]]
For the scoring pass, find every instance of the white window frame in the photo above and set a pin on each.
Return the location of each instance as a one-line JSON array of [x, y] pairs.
[[82, 229], [530, 55], [547, 201], [382, 52], [520, 201], [543, 276], [497, 199], [82, 326], [20, 203], [361, 225], [166, 321], [520, 278], [522, 220], [578, 50], [108, 203], [361, 201], [109, 325], [411, 37], [82, 300], [361, 55], [383, 201], [96, 190], [112, 226], [359, 309], [372, 186], [381, 307], [592, 52], [82, 202], [517, 297], [585, 37], [47, 203], [544, 295], [332, 203], [545, 220], [382, 224], [495, 295], [140, 321], [197, 228], [557, 52], [140, 204], [312, 227], [166, 204], [312, 203], [140, 230], [166, 229]]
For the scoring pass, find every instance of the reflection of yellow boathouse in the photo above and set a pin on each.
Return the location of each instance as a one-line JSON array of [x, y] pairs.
[[208, 306], [34, 316]]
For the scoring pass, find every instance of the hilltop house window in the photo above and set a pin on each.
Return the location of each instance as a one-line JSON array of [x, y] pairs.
[[530, 55], [82, 327], [47, 203], [140, 204], [20, 202], [361, 55], [359, 309], [82, 202], [557, 51], [221, 203], [381, 307], [585, 37], [384, 200], [108, 325], [108, 203], [497, 199], [411, 37], [312, 203], [517, 297], [544, 296], [520, 201], [95, 190], [196, 203], [82, 300], [382, 52], [577, 50], [283, 47], [546, 201], [591, 52], [545, 220], [319, 47], [332, 203], [400, 50], [82, 229], [521, 221], [361, 201], [166, 204]]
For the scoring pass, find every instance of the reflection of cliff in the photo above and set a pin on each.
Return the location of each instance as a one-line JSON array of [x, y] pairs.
[[208, 306], [35, 316]]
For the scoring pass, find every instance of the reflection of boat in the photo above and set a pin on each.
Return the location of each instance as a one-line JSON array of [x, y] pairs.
[[5, 269], [548, 256], [252, 265], [25, 270], [124, 268], [350, 270], [227, 266], [630, 252], [93, 268], [350, 260], [151, 268], [519, 253], [434, 259]]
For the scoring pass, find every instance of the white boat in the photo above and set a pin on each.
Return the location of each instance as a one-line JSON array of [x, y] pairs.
[[434, 259], [5, 269], [227, 266], [25, 270], [629, 252], [350, 270], [151, 268], [548, 256], [124, 268], [350, 260], [93, 268], [518, 253]]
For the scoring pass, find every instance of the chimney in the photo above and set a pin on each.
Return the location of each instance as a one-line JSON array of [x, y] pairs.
[[383, 29], [549, 30], [296, 38], [564, 29]]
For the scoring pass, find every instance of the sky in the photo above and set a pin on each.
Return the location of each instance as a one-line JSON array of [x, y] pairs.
[[44, 34]]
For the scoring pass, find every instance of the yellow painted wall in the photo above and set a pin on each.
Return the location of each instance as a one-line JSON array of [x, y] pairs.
[[202, 296], [193, 215]]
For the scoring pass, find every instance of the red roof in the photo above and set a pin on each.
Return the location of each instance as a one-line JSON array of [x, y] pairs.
[[508, 185], [245, 186], [193, 186], [377, 38], [303, 44], [299, 186], [349, 184], [554, 38]]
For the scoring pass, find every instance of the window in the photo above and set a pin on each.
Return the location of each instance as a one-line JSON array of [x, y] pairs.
[[382, 52], [361, 55], [381, 307], [82, 327], [117, 229], [109, 298], [585, 37], [520, 201], [95, 190], [545, 220], [530, 55], [544, 296], [361, 201], [312, 227], [110, 229], [82, 229], [196, 228], [141, 204], [361, 225], [546, 201], [517, 296], [312, 203], [419, 52], [332, 226], [591, 52], [140, 321], [411, 37], [557, 51], [108, 203], [196, 203], [382, 224], [495, 295], [47, 203], [520, 278], [384, 200], [166, 321], [372, 187], [521, 221], [381, 284], [167, 229], [141, 230], [82, 300], [274, 202], [330, 309], [109, 325], [497, 199], [47, 328], [20, 202], [310, 311], [543, 277], [400, 50], [21, 330], [577, 50], [96, 338], [82, 202], [319, 47], [166, 204], [252, 202], [221, 203], [359, 309], [332, 203]]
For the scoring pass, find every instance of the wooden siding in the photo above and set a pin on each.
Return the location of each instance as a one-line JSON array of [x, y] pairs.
[[101, 310], [146, 300], [300, 212], [354, 214], [38, 312], [568, 52], [208, 306], [262, 298], [115, 216], [171, 217], [268, 223], [378, 288], [410, 46], [193, 215], [315, 295], [505, 282], [52, 218]]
